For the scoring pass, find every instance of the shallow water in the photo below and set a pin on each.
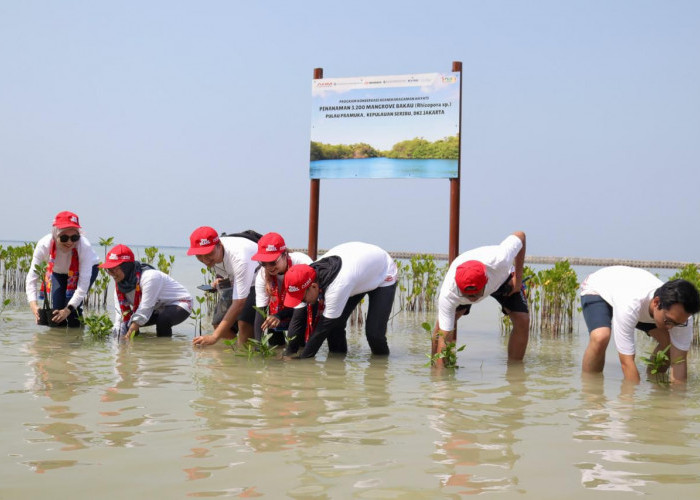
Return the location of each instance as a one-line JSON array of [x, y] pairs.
[[159, 419]]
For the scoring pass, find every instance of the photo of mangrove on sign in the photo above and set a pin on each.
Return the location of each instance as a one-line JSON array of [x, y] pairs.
[[401, 126]]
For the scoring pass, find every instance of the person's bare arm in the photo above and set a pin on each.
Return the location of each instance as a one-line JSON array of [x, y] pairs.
[[519, 264], [223, 330]]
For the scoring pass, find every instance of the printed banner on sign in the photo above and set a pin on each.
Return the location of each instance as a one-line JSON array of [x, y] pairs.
[[385, 126]]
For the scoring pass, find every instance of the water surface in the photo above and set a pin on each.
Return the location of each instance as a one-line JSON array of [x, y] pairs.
[[159, 419]]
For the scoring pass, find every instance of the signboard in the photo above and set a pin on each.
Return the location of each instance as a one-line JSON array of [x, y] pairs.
[[401, 126]]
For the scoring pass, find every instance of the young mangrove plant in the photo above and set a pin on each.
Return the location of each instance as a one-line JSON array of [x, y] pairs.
[[209, 275], [658, 363], [164, 265], [448, 354], [558, 285], [15, 263], [40, 270], [99, 326], [4, 305], [357, 317], [261, 348], [197, 315], [419, 282], [97, 298], [551, 299], [692, 274], [532, 296]]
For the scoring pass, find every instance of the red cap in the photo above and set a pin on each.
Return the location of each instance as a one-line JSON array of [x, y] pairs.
[[296, 280], [203, 240], [471, 276], [117, 256], [270, 247], [64, 220]]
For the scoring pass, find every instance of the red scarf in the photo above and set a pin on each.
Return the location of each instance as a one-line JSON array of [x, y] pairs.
[[73, 272], [126, 308], [312, 321], [276, 302]]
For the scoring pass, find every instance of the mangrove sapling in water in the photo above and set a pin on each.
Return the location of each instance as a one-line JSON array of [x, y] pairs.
[[357, 317], [45, 311], [556, 302], [197, 315], [419, 282], [98, 325], [4, 305], [209, 275], [165, 264], [15, 263], [101, 284], [658, 363], [448, 354], [692, 274], [261, 311], [260, 348]]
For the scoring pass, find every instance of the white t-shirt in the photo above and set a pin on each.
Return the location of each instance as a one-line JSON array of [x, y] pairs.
[[158, 290], [86, 260], [237, 265], [498, 260], [365, 267], [630, 291], [262, 299]]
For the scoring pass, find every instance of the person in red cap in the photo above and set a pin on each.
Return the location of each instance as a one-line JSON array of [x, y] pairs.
[[491, 270], [230, 257], [332, 287], [70, 271], [144, 296], [274, 259]]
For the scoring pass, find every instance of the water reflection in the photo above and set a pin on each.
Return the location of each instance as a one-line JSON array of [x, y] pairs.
[[59, 373], [207, 423], [320, 418], [478, 433], [99, 400], [635, 432]]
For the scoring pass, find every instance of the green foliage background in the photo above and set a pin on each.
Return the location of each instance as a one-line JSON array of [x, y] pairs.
[[417, 148]]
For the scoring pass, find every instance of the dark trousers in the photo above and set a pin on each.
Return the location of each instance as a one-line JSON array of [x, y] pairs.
[[166, 318], [59, 283], [379, 309]]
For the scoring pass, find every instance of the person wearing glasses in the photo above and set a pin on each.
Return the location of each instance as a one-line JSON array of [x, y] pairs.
[[71, 269], [274, 259], [144, 296], [496, 271], [230, 257], [620, 299]]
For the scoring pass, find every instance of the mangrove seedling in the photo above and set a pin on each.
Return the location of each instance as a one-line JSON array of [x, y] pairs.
[[98, 325], [231, 343], [5, 303], [260, 348], [150, 255], [261, 311], [448, 355], [197, 315], [658, 363], [691, 273]]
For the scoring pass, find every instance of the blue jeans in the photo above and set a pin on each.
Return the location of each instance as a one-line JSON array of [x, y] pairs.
[[59, 283]]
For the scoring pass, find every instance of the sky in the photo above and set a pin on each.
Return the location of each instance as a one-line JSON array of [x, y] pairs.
[[580, 121]]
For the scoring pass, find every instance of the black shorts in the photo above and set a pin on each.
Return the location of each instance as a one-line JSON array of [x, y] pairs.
[[248, 313], [224, 302], [598, 314], [509, 303]]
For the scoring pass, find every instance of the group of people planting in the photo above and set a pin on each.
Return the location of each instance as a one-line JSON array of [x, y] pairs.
[[262, 286]]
